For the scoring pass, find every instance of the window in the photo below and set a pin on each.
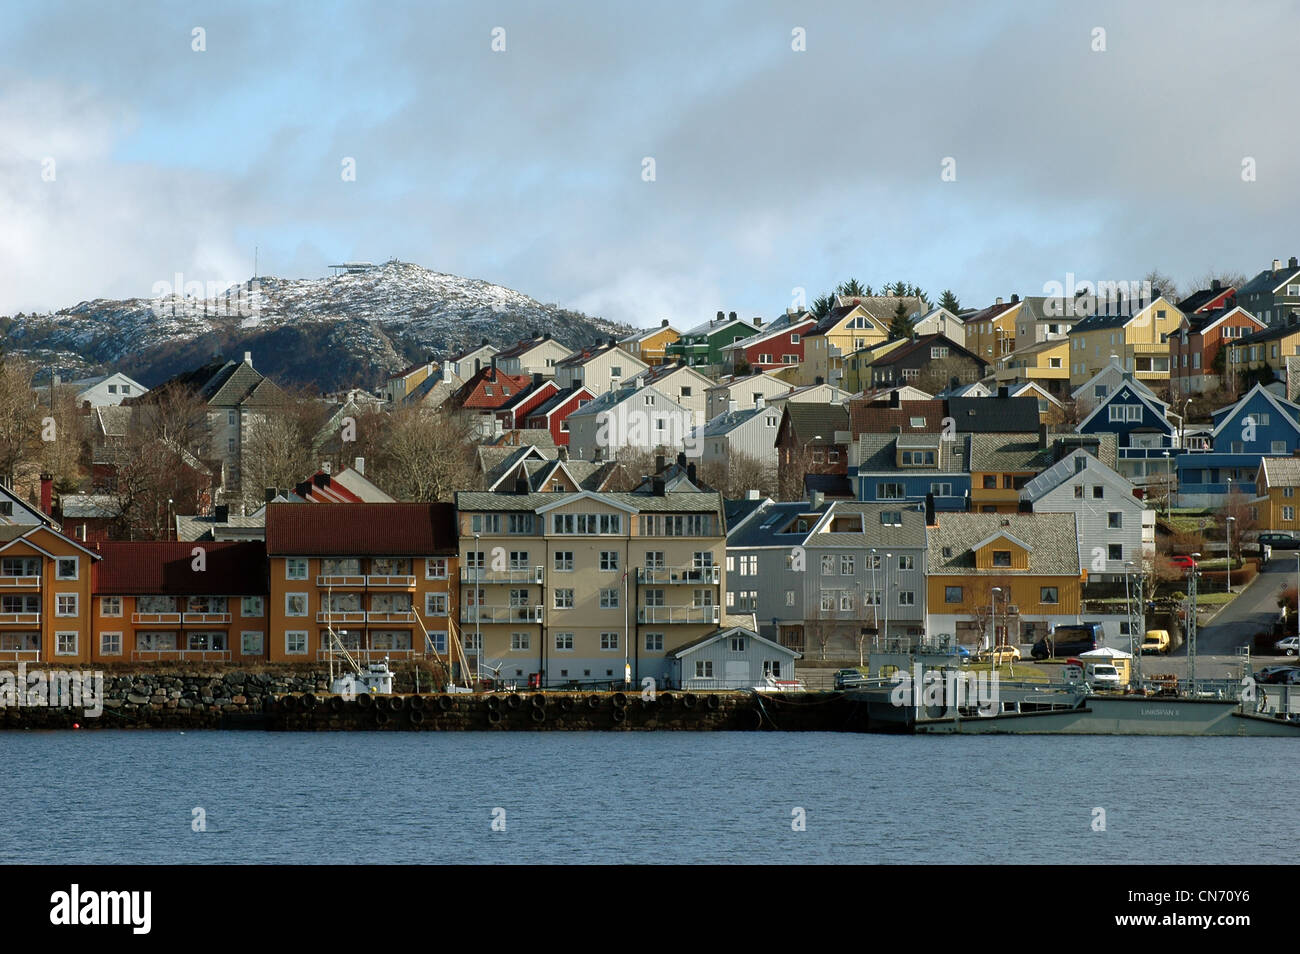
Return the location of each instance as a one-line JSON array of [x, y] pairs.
[[295, 569], [609, 598], [738, 644], [1288, 491], [608, 560], [1115, 520], [848, 565], [295, 643], [828, 564], [1278, 447], [1001, 557], [112, 389], [564, 599], [295, 604], [250, 606], [110, 606], [990, 481], [20, 566], [519, 559], [654, 642], [704, 669], [65, 644], [110, 644], [891, 518], [1115, 551], [1048, 594], [907, 563], [519, 523], [906, 598], [563, 561], [941, 490], [952, 594], [435, 568], [702, 598], [485, 523], [439, 639], [1288, 513], [889, 491], [519, 642], [654, 560], [654, 597], [65, 604], [435, 604], [789, 597], [564, 642], [587, 523], [250, 644], [608, 642], [65, 568], [1098, 492]]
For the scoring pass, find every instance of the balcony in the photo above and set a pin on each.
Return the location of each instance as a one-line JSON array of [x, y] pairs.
[[678, 614], [26, 582], [205, 618], [20, 655], [340, 580], [364, 656], [342, 616], [535, 574], [156, 619], [501, 614], [191, 655], [705, 574], [399, 582], [31, 619], [391, 616]]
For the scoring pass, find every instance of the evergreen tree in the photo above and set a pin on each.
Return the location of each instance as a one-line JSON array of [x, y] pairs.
[[821, 307], [949, 300], [852, 289], [901, 326]]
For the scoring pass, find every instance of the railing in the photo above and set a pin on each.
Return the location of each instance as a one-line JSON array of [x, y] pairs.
[[678, 614], [391, 616], [20, 655], [534, 574], [155, 619], [377, 655], [20, 581], [342, 616], [205, 617], [31, 618], [343, 580], [196, 655], [706, 574], [403, 581], [501, 614]]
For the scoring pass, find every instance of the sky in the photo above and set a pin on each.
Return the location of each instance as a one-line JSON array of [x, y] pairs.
[[987, 148]]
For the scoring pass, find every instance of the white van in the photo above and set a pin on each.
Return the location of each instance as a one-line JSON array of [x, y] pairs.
[[1103, 676]]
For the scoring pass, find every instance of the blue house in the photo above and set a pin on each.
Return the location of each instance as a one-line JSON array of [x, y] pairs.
[[1146, 440], [1259, 425], [907, 467]]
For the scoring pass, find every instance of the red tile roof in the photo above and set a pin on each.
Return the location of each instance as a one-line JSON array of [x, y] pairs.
[[880, 418], [473, 393], [360, 529], [163, 566]]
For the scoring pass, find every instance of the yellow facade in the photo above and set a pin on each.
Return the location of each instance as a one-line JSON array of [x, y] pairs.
[[652, 348], [994, 338], [1043, 364], [1267, 354], [824, 352], [1141, 343], [1026, 594], [46, 584]]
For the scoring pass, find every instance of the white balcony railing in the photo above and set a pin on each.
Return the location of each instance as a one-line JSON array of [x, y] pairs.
[[391, 616], [340, 580], [29, 618], [678, 614], [342, 616], [214, 618], [20, 581], [196, 655], [20, 655], [501, 614], [155, 619], [535, 574], [698, 574], [405, 582]]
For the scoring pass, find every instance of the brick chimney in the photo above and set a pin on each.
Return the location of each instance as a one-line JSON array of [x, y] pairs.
[[47, 494]]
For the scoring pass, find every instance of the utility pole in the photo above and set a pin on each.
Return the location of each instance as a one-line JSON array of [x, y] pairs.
[[1191, 623]]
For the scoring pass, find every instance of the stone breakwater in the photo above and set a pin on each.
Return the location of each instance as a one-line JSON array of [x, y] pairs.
[[300, 701]]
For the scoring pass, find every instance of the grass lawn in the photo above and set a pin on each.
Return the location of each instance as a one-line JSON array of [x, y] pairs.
[[1215, 599], [1019, 672]]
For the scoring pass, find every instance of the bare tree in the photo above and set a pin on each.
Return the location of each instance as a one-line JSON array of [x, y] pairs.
[[279, 452], [740, 473], [18, 418], [425, 455]]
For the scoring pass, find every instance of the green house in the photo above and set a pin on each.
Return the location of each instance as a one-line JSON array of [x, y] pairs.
[[703, 344]]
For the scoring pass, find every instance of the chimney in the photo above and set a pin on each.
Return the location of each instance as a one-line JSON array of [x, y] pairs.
[[758, 322], [664, 323], [562, 453], [731, 407], [271, 494], [731, 316], [1003, 391], [1294, 262], [998, 300], [818, 498], [720, 319], [1026, 506], [521, 485], [681, 459], [690, 472], [1215, 285], [222, 513], [325, 467], [758, 402], [1042, 435], [1277, 264], [658, 486], [303, 489], [929, 510], [47, 494], [537, 377], [1015, 299], [895, 400], [248, 358], [659, 463], [752, 495], [359, 465], [321, 480]]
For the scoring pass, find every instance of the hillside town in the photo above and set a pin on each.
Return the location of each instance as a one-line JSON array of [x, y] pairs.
[[722, 505]]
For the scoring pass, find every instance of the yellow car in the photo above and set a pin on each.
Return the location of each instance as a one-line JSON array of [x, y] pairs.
[[1001, 654]]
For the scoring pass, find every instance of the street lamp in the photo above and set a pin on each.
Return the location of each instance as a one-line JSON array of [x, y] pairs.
[[1169, 484], [875, 597], [1183, 438], [888, 557], [1227, 531], [993, 621], [478, 606]]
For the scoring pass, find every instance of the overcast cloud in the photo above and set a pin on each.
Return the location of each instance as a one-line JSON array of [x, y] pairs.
[[775, 169]]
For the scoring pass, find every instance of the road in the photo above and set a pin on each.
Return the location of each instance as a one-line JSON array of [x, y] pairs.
[[1253, 611]]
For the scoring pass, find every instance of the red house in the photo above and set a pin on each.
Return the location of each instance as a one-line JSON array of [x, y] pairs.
[[554, 414], [515, 411], [777, 348], [1194, 363]]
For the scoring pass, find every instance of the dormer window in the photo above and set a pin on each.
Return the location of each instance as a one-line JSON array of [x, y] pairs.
[[1001, 557]]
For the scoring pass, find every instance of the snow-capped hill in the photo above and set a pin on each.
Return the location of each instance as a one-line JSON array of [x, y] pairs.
[[350, 329]]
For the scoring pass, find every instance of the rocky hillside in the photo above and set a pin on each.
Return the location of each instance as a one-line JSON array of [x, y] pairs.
[[348, 330]]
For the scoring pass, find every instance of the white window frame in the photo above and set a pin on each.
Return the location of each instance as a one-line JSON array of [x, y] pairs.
[[104, 649], [243, 643], [290, 640], [292, 562], [252, 614], [60, 636], [76, 605], [104, 601], [58, 569], [306, 608]]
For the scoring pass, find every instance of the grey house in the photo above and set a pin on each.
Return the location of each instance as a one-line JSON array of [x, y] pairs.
[[1272, 294], [750, 432], [733, 657]]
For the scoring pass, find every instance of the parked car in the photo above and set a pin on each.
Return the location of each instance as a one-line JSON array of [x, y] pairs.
[[849, 678], [1183, 561], [1273, 675], [1068, 640], [1290, 645], [1102, 675], [1001, 654], [1157, 641], [1279, 541]]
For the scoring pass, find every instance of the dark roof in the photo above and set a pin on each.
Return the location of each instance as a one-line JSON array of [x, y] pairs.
[[558, 399], [1200, 320], [920, 344], [525, 394], [737, 510], [1267, 280], [831, 486], [586, 354], [879, 418], [989, 313], [521, 347], [374, 529], [1270, 333], [1199, 299], [222, 384], [816, 423], [164, 566], [1009, 415]]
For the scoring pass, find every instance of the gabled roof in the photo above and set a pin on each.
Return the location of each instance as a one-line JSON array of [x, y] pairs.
[[994, 414], [770, 333], [877, 454], [870, 532], [221, 384], [557, 400], [380, 529], [579, 358], [742, 630], [472, 395], [1285, 409], [880, 309], [728, 421], [530, 393], [644, 333], [989, 313], [1281, 471], [1115, 314], [815, 423], [1004, 453], [1067, 469], [1113, 368], [167, 567], [521, 348], [1202, 321], [1149, 401], [880, 418], [1268, 281], [1208, 299], [661, 372], [923, 342], [1050, 538], [713, 326]]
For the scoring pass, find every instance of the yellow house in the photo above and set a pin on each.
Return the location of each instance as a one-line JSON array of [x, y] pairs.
[[1139, 339], [1012, 574], [650, 344], [1000, 466], [853, 324], [991, 332], [45, 611], [1277, 506], [857, 365], [1265, 349], [1046, 364]]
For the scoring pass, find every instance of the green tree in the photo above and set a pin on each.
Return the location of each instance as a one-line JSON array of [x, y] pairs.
[[949, 301], [852, 289], [901, 326], [821, 307]]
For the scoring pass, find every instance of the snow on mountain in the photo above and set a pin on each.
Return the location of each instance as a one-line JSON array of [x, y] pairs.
[[350, 329]]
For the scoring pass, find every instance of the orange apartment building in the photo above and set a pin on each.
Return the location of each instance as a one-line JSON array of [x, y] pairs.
[[45, 593], [382, 577]]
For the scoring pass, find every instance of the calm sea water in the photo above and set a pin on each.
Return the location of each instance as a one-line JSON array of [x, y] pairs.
[[128, 797]]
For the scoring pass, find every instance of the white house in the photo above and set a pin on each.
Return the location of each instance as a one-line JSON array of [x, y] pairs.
[[750, 431], [684, 384], [743, 391], [598, 369], [632, 417], [940, 321], [107, 390]]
